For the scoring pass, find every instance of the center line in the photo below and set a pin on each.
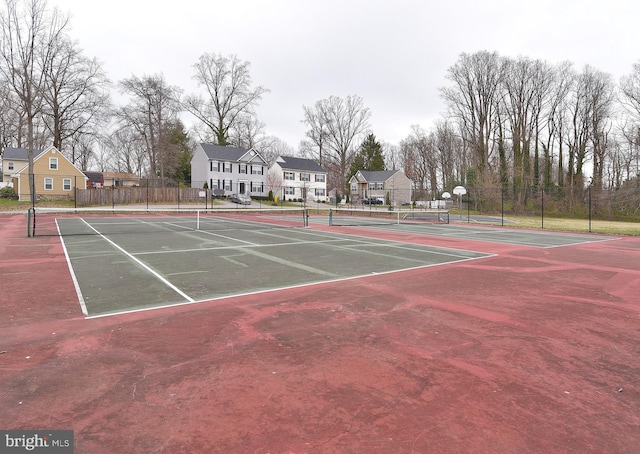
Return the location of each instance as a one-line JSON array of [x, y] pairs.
[[143, 265]]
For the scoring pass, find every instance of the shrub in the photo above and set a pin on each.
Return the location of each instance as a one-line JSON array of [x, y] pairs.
[[8, 193]]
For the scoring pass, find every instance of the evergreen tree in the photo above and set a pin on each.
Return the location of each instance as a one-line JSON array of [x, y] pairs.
[[369, 157], [178, 153]]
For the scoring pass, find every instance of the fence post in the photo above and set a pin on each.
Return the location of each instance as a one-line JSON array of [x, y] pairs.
[[542, 192], [502, 204], [589, 209]]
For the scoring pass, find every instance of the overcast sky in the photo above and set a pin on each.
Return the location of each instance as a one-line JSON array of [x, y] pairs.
[[393, 54]]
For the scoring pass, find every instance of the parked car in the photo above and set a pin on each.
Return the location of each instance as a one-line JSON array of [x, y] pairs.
[[372, 201], [242, 199]]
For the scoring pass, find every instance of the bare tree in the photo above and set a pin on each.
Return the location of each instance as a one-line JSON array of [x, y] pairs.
[[153, 105], [229, 94], [630, 93], [601, 98], [630, 100], [631, 137], [317, 134], [421, 160], [588, 124], [246, 132], [450, 152], [473, 100], [27, 45], [391, 156], [80, 146], [11, 120], [563, 78], [271, 147], [527, 84], [126, 150], [75, 92], [340, 122]]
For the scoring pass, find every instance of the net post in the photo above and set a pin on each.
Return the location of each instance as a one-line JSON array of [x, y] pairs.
[[29, 223], [330, 216], [197, 219]]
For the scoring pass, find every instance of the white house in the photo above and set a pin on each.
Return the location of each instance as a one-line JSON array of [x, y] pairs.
[[228, 170], [14, 159], [298, 178]]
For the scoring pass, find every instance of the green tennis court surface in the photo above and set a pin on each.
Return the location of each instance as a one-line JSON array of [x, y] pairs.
[[524, 237], [169, 265]]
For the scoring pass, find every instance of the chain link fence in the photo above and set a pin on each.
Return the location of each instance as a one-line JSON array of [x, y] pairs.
[[539, 204]]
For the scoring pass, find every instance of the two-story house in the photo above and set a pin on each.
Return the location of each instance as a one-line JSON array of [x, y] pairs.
[[298, 178], [228, 170], [55, 176], [391, 186]]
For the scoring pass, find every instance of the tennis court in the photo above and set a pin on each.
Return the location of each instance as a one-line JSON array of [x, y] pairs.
[[141, 260], [516, 236], [408, 337]]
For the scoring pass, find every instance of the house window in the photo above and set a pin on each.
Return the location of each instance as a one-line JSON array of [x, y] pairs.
[[289, 176], [66, 184], [10, 165], [48, 184], [305, 177], [372, 186], [227, 167], [53, 163], [256, 170], [320, 178], [227, 185], [242, 168], [256, 186], [379, 185], [354, 188], [289, 190], [319, 192]]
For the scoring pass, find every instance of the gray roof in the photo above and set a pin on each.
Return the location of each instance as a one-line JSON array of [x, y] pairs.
[[291, 163], [379, 175], [96, 177], [19, 153], [223, 153]]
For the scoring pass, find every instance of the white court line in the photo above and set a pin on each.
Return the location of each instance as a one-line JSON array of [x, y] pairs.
[[386, 243], [250, 245], [277, 289], [83, 306], [142, 264], [226, 237], [401, 244], [487, 235]]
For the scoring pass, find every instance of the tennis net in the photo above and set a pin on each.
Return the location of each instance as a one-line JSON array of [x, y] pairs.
[[355, 217], [111, 221]]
